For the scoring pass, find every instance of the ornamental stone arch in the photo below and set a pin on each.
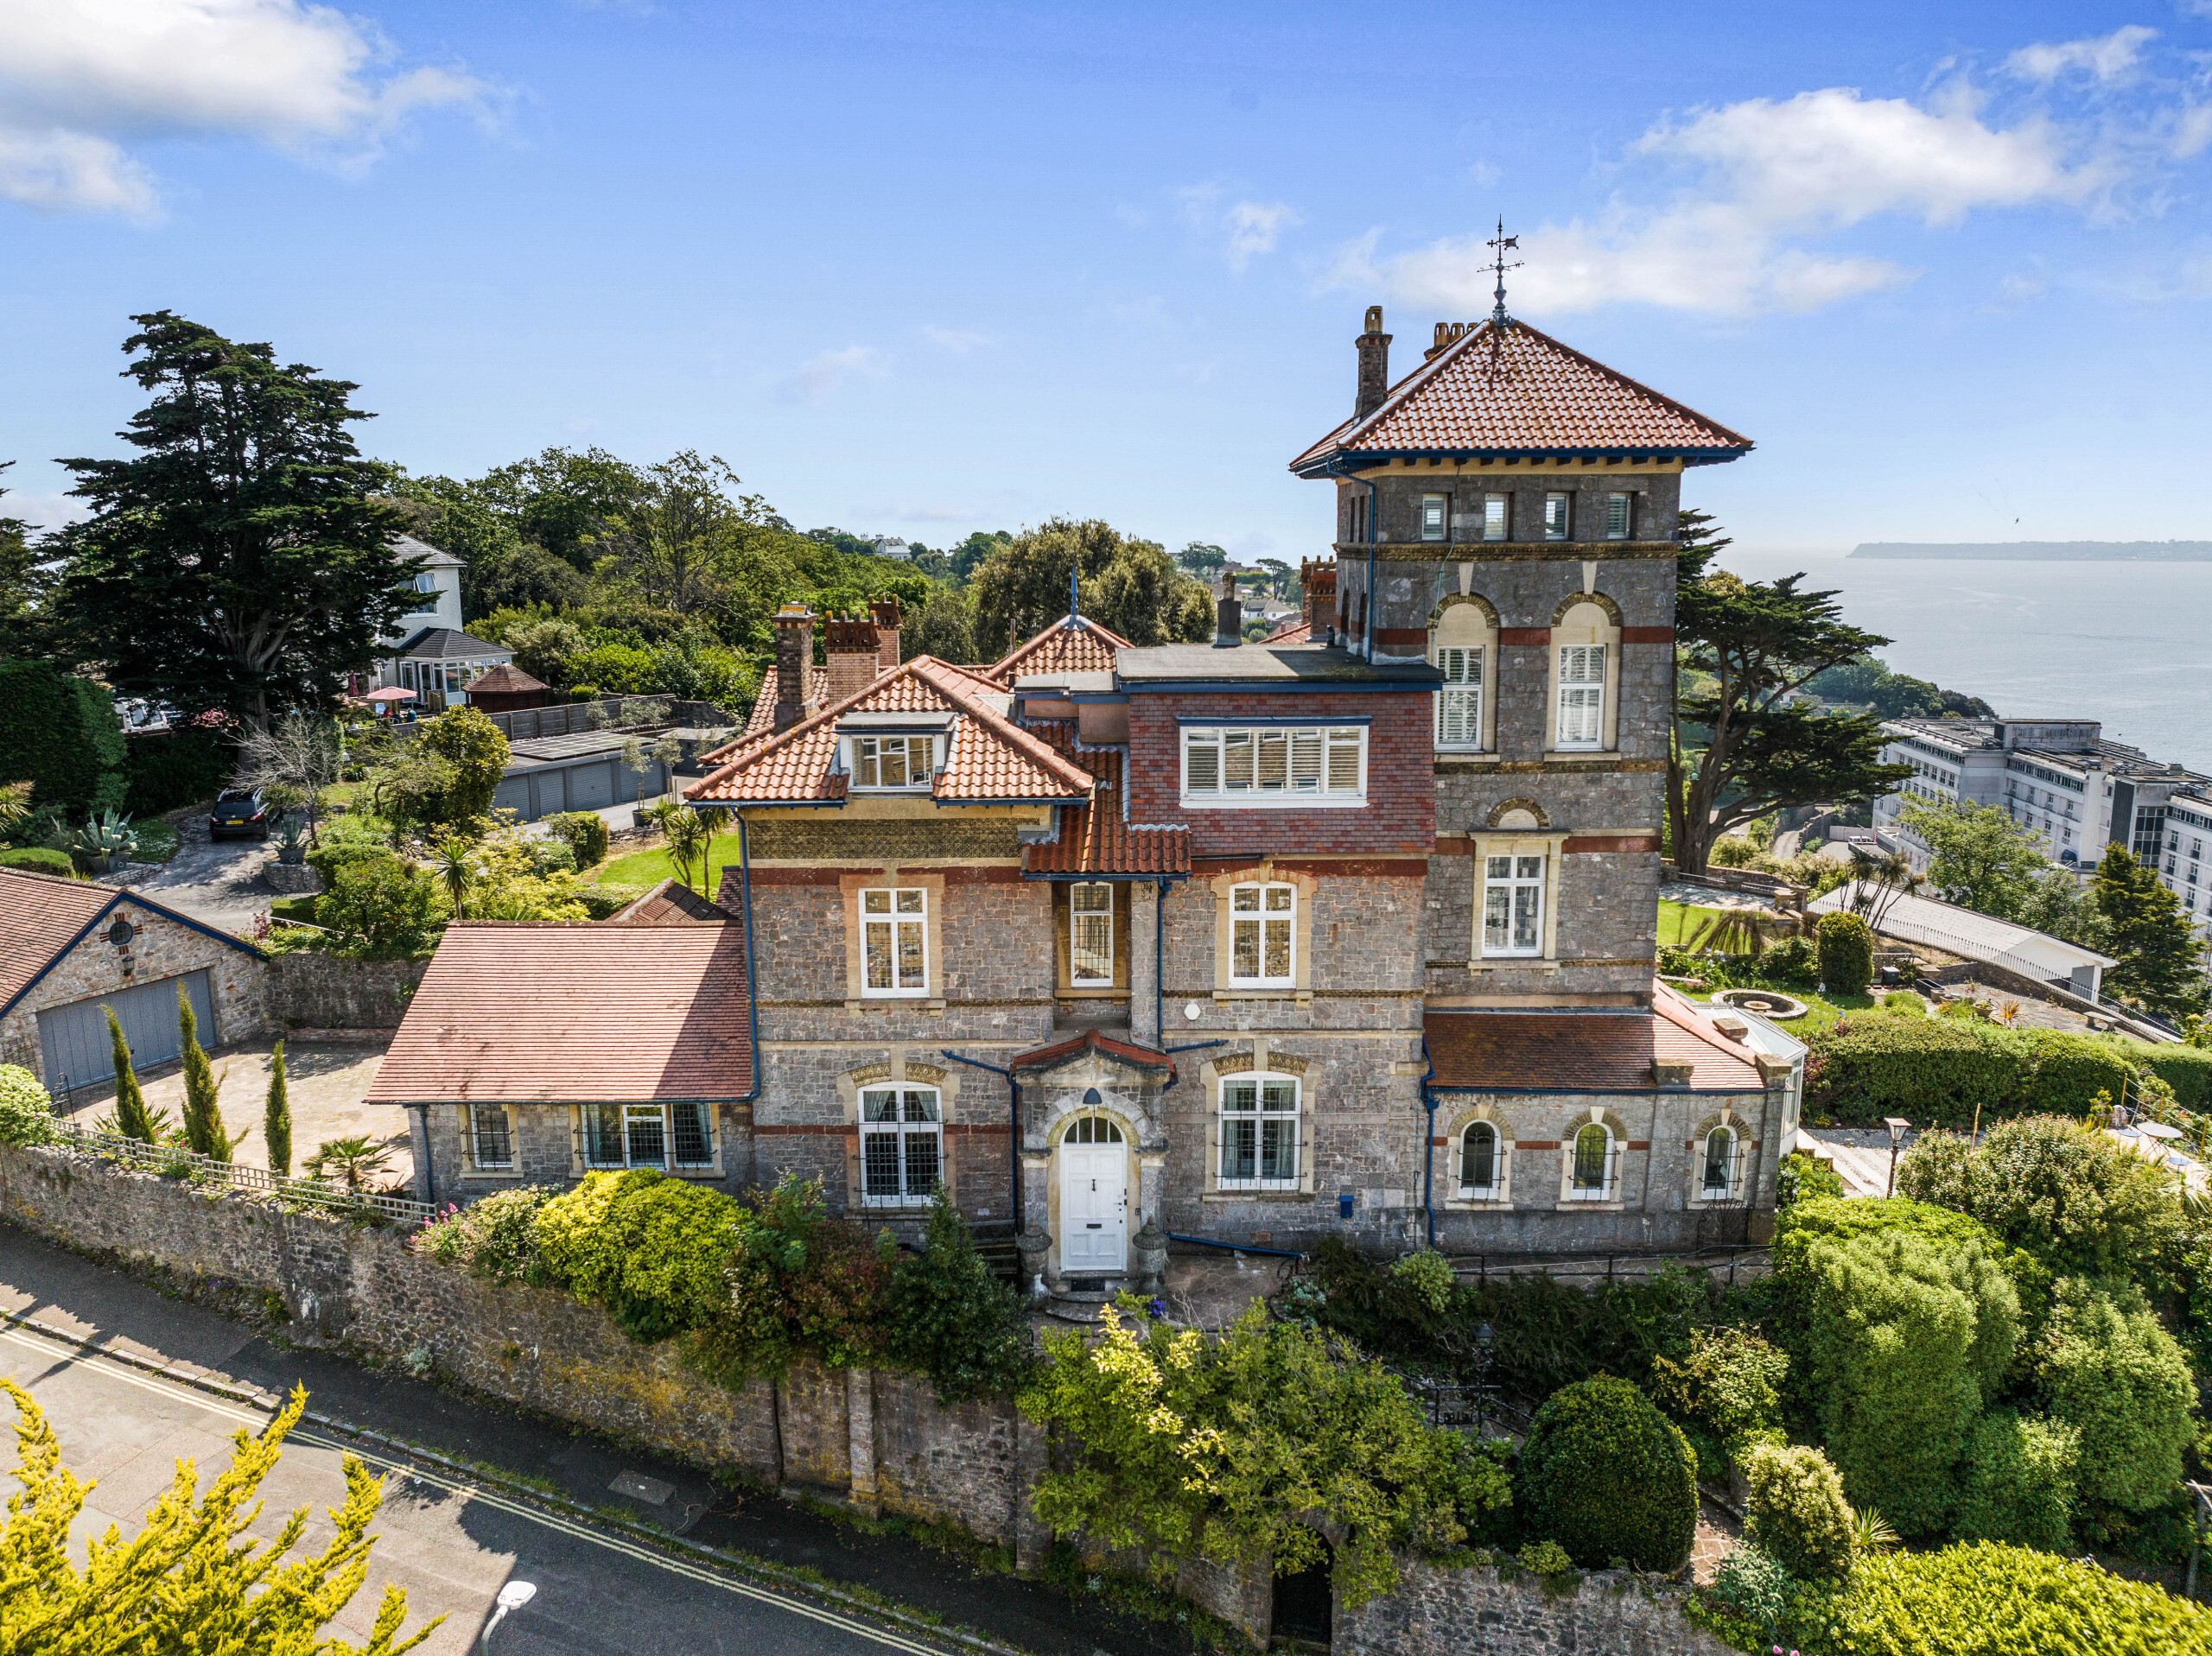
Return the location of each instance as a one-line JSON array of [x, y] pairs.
[[1616, 1150], [1500, 1189], [1739, 1155], [1508, 813], [1567, 605]]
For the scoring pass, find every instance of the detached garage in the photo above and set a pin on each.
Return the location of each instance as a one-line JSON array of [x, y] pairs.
[[69, 949]]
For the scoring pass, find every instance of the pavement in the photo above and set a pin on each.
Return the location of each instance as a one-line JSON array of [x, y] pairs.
[[1860, 1155], [450, 1540], [217, 883]]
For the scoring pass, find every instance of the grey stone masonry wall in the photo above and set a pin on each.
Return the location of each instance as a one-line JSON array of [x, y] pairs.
[[310, 990], [879, 1441], [1609, 1614]]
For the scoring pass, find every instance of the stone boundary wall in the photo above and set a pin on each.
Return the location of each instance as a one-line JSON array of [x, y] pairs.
[[307, 989], [874, 1441]]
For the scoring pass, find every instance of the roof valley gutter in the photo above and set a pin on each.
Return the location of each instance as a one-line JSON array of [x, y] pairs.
[[1013, 1124]]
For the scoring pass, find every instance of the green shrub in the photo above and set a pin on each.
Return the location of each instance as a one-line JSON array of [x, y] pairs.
[[40, 860], [1607, 1477], [1842, 1218], [1907, 1338], [950, 1318], [584, 832], [383, 908], [1755, 1588], [1730, 1387], [475, 754], [1805, 1177], [2080, 1202], [2187, 1070], [26, 1112], [2018, 1482], [60, 733], [1985, 1599], [1797, 1512], [167, 769], [1845, 945], [2066, 1071], [1905, 1003], [335, 855], [1791, 960], [496, 1237], [1927, 1069], [797, 1281], [648, 1248], [604, 901], [2110, 1372]]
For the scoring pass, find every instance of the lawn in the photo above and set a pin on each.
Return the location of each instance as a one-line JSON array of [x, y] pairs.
[[651, 868]]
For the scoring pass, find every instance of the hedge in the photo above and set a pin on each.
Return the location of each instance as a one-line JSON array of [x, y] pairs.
[[1986, 1599], [61, 735], [2187, 1070], [1939, 1071], [40, 860], [167, 769]]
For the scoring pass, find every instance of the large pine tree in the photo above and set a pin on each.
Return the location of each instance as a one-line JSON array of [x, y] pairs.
[[2160, 964], [242, 559]]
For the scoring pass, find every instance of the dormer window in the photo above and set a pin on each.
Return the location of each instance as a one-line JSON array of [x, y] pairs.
[[892, 762]]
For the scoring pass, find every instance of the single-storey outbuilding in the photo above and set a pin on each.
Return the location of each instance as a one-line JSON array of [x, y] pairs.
[[69, 949], [534, 1053]]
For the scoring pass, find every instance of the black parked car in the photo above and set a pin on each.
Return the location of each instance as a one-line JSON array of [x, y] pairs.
[[238, 813]]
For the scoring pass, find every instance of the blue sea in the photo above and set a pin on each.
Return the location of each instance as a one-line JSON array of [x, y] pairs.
[[2124, 643]]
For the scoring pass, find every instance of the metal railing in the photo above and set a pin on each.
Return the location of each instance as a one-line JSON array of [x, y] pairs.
[[1750, 1261], [204, 1171]]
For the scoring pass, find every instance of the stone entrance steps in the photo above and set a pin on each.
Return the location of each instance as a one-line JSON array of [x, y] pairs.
[[993, 1240]]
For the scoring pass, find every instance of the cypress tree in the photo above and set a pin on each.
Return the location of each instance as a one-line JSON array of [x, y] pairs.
[[203, 1119], [131, 1117], [2158, 960], [276, 1123]]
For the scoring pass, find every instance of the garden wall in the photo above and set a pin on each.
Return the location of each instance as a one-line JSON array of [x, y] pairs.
[[876, 1440], [308, 989]]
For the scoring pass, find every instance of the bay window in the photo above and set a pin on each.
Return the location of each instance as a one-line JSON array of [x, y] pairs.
[[1513, 905], [894, 941], [1259, 1132], [1268, 764], [902, 1145], [1262, 931]]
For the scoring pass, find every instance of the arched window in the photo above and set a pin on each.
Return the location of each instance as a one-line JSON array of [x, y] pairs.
[[1719, 1180], [1585, 676], [1592, 1179], [1091, 1130], [1461, 642], [1478, 1161]]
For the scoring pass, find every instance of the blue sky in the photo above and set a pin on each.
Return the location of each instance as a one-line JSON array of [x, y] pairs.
[[923, 269]]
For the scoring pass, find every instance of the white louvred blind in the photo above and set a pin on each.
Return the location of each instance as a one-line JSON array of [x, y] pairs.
[[1581, 694], [1201, 761], [1458, 703]]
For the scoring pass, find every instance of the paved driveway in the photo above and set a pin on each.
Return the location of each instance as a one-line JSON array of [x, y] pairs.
[[218, 885]]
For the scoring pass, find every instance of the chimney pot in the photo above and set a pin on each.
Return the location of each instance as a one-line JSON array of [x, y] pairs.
[[886, 612], [1373, 380]]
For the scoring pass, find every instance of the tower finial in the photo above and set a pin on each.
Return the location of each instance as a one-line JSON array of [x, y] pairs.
[[1500, 245]]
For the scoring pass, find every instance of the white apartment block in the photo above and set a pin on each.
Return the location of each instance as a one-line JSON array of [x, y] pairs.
[[2189, 831]]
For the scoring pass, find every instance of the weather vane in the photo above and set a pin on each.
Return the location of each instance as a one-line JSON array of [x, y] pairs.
[[1501, 244]]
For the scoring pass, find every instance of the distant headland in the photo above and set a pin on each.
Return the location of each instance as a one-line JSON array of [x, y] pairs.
[[2082, 551]]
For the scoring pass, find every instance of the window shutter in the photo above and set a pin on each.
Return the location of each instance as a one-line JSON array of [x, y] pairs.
[[1305, 762], [1343, 761], [1237, 760], [1201, 763]]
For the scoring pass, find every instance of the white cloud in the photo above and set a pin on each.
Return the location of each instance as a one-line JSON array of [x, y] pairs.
[[1770, 175], [1247, 228], [2105, 57], [958, 341], [78, 79], [819, 376], [2193, 131]]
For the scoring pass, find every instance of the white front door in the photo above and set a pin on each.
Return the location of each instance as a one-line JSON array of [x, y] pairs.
[[1094, 1214]]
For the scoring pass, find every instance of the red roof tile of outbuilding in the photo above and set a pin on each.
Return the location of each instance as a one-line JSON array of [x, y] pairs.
[[1584, 1052], [1518, 389], [524, 1013]]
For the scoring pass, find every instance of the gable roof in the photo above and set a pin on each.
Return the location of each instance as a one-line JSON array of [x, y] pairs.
[[523, 1012], [1295, 629], [43, 916], [1073, 643], [435, 556], [991, 758], [1517, 390]]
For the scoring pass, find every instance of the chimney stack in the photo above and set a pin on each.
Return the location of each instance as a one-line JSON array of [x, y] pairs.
[[1317, 581], [1374, 365], [886, 612], [1227, 615], [794, 664], [851, 650]]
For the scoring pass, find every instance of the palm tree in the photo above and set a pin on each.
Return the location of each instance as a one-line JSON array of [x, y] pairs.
[[456, 870], [689, 836], [14, 804], [350, 1160], [1879, 882]]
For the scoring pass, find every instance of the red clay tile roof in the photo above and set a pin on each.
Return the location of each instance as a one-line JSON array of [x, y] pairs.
[[1096, 838], [1092, 1040], [1296, 630], [992, 757], [43, 915], [1071, 644], [543, 1013], [1532, 395], [763, 718], [1583, 1052], [672, 903]]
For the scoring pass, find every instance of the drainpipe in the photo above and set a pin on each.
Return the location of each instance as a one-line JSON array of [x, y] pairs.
[[1367, 628], [1428, 1143], [1159, 967], [429, 1172], [1175, 1071], [1012, 1126], [752, 988]]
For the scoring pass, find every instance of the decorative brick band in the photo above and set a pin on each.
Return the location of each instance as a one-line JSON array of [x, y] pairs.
[[1524, 635], [1577, 844], [1647, 635]]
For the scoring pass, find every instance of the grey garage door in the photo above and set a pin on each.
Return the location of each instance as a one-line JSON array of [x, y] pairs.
[[74, 1038], [591, 786]]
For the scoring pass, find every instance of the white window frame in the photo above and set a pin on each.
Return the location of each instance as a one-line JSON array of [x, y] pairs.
[[1468, 1190], [1580, 678], [1725, 1190], [1264, 916], [1559, 515], [1621, 509], [894, 917], [1460, 698], [1576, 1190], [499, 1121], [1265, 1111], [1498, 517], [1275, 767], [869, 751], [1510, 884], [1102, 918], [635, 1125], [1436, 517], [904, 1131]]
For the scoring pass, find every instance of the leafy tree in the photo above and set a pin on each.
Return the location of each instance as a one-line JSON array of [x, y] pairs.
[[242, 559], [381, 908], [2110, 1371], [2061, 905], [499, 567], [1128, 586], [972, 553], [945, 629], [276, 1118], [26, 581], [950, 1318], [1750, 648], [1280, 581], [545, 650], [293, 759], [1983, 860], [562, 500], [2160, 963], [204, 1134], [1203, 561], [1796, 1512], [131, 1117], [2019, 1481], [447, 775], [190, 1580], [686, 544], [1846, 946], [1894, 695]]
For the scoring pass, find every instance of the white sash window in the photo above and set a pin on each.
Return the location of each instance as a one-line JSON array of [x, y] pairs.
[[1435, 517], [1581, 695], [1259, 1132], [1090, 933], [1271, 764], [1459, 700], [1262, 935]]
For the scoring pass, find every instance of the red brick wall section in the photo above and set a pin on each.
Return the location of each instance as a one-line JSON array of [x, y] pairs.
[[1400, 816]]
